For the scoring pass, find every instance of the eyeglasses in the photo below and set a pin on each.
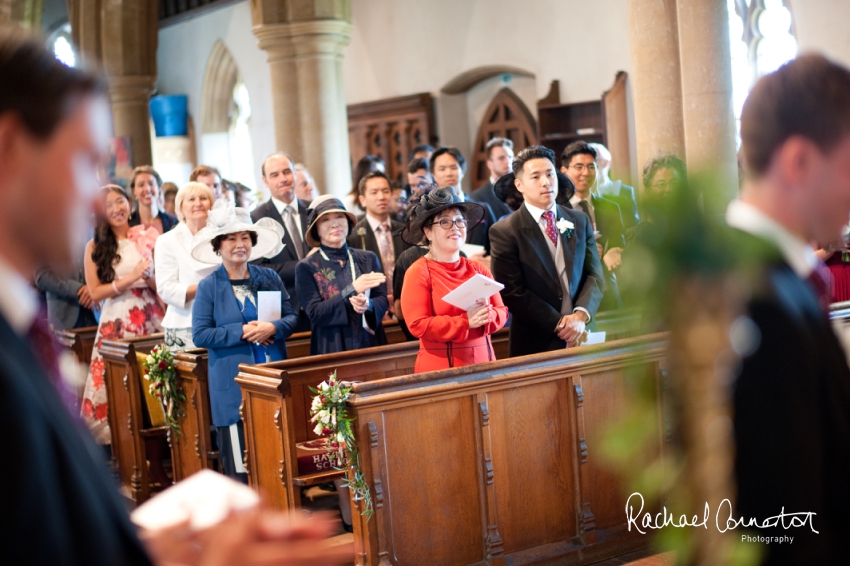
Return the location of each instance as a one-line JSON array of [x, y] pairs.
[[662, 185], [579, 167], [447, 224]]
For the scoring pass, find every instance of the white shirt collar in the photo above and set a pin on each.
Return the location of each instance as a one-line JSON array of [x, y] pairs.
[[575, 199], [18, 300], [374, 222], [281, 206], [747, 218], [536, 213]]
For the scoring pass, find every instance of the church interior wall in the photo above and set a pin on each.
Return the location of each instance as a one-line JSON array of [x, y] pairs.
[[402, 47]]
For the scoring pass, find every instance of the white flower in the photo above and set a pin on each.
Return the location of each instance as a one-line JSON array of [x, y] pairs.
[[563, 225], [149, 359], [318, 430]]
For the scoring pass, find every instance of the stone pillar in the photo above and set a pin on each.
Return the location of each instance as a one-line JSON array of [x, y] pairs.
[[121, 36], [656, 79], [304, 43], [709, 118], [682, 81]]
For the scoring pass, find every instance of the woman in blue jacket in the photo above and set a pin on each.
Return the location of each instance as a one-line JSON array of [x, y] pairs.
[[225, 316]]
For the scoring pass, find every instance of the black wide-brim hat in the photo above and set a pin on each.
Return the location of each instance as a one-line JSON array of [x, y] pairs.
[[505, 186], [323, 205], [430, 205]]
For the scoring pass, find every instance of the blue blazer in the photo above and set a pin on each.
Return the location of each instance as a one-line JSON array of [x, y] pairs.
[[217, 326]]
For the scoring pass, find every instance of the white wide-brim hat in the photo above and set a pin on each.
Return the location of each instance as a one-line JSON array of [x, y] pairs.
[[224, 218]]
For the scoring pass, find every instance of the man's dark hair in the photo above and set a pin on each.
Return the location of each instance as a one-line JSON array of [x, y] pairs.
[[665, 161], [216, 242], [203, 170], [361, 186], [417, 164], [37, 87], [421, 147], [454, 152], [579, 147], [529, 153], [498, 142], [808, 97]]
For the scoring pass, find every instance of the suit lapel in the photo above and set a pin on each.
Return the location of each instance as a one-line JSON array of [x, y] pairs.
[[271, 212]]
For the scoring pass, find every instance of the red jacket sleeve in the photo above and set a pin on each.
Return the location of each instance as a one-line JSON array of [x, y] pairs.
[[499, 308]]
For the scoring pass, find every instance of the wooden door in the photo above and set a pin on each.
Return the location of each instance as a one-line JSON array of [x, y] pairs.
[[506, 117]]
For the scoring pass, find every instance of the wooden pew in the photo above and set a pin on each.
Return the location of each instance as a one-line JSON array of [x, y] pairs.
[[276, 406], [193, 449], [135, 442], [78, 340], [499, 463]]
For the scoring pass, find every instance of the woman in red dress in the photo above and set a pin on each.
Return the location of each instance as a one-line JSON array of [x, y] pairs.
[[448, 335]]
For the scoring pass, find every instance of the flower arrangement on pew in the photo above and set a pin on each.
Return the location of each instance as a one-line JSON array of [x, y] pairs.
[[165, 386], [331, 417]]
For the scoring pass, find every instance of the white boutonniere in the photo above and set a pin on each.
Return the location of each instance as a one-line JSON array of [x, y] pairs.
[[565, 225]]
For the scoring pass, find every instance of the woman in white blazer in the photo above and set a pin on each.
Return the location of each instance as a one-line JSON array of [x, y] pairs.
[[177, 272]]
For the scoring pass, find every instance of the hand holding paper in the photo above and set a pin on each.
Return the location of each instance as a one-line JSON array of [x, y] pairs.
[[478, 287]]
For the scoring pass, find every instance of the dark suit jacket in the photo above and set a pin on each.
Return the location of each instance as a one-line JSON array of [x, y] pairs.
[[169, 221], [284, 262], [609, 223], [522, 263], [792, 416], [60, 503], [217, 326], [480, 233], [628, 205], [485, 193], [368, 241]]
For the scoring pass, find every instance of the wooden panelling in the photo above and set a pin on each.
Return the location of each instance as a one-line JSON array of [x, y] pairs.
[[534, 438], [391, 128]]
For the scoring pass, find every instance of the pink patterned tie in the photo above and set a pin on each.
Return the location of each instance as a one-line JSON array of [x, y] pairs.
[[550, 226]]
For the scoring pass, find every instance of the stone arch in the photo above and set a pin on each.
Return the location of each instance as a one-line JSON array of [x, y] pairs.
[[220, 77], [468, 79], [506, 117]]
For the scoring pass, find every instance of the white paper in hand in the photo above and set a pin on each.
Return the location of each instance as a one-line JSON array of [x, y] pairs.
[[205, 499], [476, 287], [268, 306]]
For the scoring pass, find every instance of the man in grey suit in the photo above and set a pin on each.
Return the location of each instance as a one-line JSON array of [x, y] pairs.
[[279, 177], [69, 304]]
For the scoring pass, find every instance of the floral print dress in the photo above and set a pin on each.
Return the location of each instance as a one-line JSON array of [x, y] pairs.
[[135, 312]]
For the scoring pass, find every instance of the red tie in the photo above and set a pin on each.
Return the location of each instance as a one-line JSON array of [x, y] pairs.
[[821, 281], [550, 226]]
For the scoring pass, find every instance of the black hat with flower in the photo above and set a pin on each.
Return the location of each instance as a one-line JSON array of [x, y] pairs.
[[430, 205]]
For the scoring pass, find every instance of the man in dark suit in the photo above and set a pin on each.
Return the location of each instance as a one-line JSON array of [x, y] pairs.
[[791, 404], [500, 157], [376, 231], [546, 257], [69, 304], [58, 503], [279, 177], [617, 191], [448, 167], [578, 162]]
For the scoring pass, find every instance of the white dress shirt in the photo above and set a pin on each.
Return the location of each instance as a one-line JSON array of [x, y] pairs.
[[574, 202], [18, 300], [747, 218], [374, 223], [296, 217], [175, 270]]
